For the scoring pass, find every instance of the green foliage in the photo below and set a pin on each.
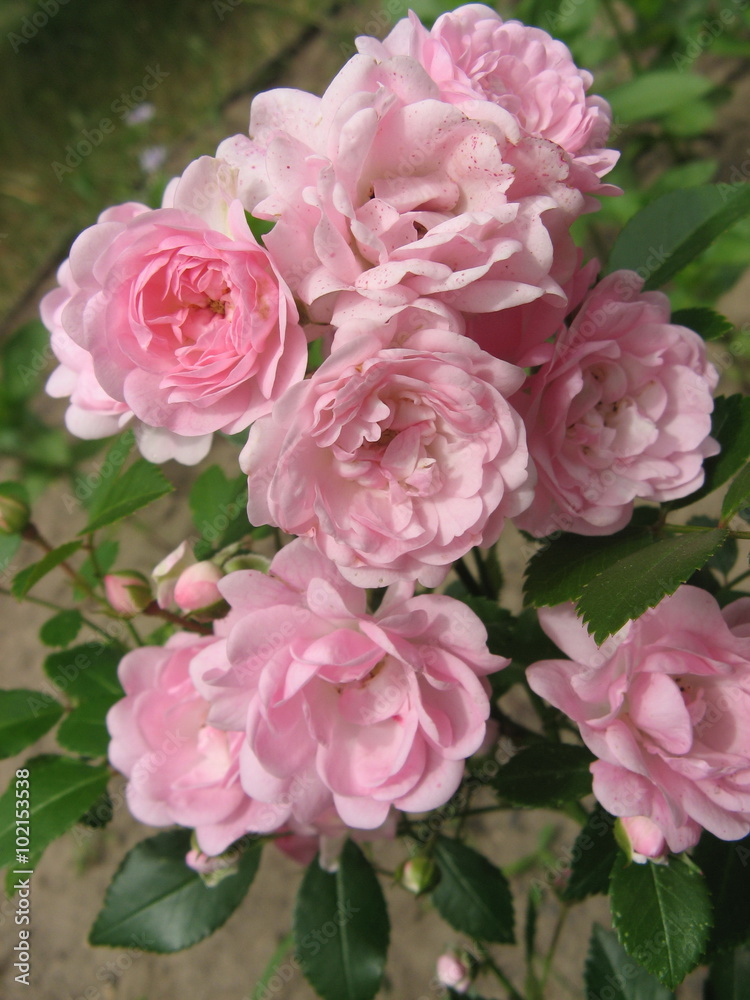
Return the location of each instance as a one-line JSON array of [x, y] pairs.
[[472, 895], [61, 790], [610, 968], [31, 575], [672, 230], [155, 902], [655, 94], [341, 928], [730, 425], [217, 504], [729, 976], [710, 324], [662, 914], [594, 854], [545, 775], [139, 485], [62, 628], [725, 867], [23, 719]]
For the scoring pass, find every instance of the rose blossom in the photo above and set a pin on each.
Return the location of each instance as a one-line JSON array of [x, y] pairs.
[[665, 706], [621, 410], [376, 709], [179, 768], [175, 315], [381, 188], [471, 53], [394, 460]]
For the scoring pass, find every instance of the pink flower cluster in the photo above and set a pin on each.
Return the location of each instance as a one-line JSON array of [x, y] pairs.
[[420, 217], [665, 706]]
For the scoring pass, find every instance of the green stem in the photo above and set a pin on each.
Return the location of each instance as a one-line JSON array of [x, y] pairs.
[[738, 579], [282, 949], [491, 964], [484, 577], [462, 572], [549, 957], [56, 607], [622, 36]]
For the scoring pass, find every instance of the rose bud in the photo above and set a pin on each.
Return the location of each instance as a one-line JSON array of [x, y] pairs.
[[128, 592], [196, 587], [454, 971], [14, 511], [418, 875]]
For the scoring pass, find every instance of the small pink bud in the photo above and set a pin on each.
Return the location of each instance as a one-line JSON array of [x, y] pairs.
[[165, 574], [14, 511], [211, 869], [128, 592], [196, 588], [641, 839], [454, 970]]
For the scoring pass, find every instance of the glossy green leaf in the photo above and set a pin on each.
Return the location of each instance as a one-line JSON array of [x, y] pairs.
[[24, 718], [726, 867], [730, 425], [61, 790], [218, 505], [662, 915], [628, 587], [27, 578], [341, 928], [738, 495], [545, 774], [157, 903], [594, 853], [472, 895], [674, 229], [611, 972], [62, 628], [141, 484], [654, 94], [710, 324]]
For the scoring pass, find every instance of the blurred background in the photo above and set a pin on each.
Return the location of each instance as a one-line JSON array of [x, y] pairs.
[[103, 102]]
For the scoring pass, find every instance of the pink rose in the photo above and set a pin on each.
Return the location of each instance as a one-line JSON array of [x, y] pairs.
[[381, 188], [645, 838], [394, 460], [179, 768], [376, 710], [470, 53], [665, 706], [621, 410], [175, 315], [196, 588]]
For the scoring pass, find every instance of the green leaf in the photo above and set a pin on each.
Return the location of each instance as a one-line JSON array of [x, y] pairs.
[[31, 575], [156, 903], [561, 571], [259, 227], [730, 425], [738, 494], [639, 581], [26, 358], [61, 790], [729, 976], [341, 928], [91, 488], [9, 545], [62, 628], [87, 672], [594, 854], [662, 915], [498, 622], [545, 774], [138, 486], [608, 968], [656, 93], [472, 895], [23, 719], [707, 322], [84, 730], [725, 868], [218, 505], [673, 229]]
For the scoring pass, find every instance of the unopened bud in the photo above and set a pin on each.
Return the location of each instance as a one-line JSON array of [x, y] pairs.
[[249, 560], [641, 839], [128, 592], [14, 511], [418, 874], [212, 870], [196, 587], [454, 970], [166, 573]]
